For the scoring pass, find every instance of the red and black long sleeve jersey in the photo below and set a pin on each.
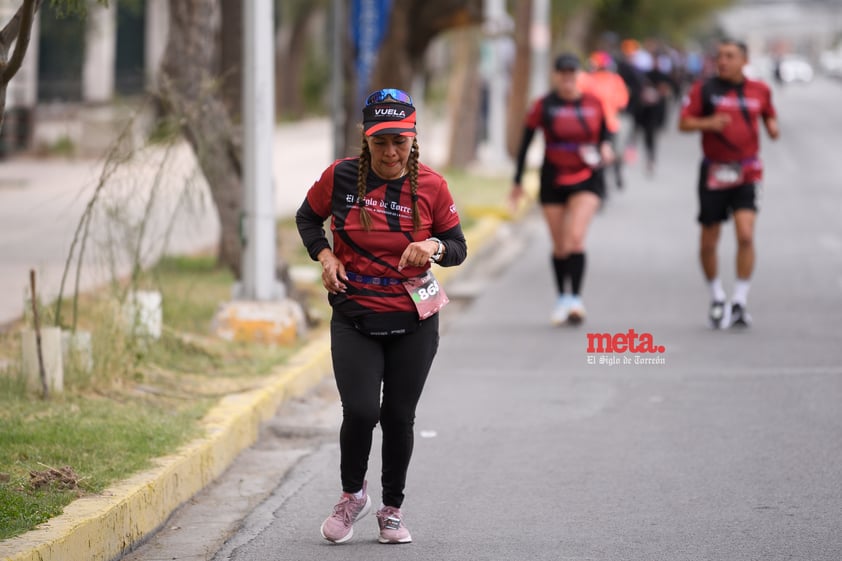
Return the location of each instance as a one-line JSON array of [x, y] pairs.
[[376, 252], [567, 125]]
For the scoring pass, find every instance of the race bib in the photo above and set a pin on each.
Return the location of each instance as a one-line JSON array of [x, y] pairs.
[[725, 175], [590, 155], [427, 294]]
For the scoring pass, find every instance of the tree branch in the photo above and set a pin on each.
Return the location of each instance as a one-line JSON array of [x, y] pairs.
[[20, 27]]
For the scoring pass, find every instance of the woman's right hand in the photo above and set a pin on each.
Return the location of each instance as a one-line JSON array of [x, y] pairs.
[[718, 121], [333, 272]]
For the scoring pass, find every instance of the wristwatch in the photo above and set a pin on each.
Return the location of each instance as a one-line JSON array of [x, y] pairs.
[[437, 255]]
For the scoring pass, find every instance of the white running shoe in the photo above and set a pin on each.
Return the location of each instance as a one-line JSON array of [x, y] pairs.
[[576, 310], [560, 312]]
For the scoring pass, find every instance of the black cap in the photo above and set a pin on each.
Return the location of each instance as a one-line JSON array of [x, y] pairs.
[[389, 118], [567, 61]]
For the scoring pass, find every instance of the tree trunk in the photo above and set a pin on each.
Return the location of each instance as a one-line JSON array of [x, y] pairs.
[[191, 89], [351, 109], [395, 62], [231, 57], [17, 30], [464, 99], [290, 62], [519, 91], [577, 29]]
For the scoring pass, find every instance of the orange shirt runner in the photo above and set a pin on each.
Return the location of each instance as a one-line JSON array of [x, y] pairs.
[[611, 90]]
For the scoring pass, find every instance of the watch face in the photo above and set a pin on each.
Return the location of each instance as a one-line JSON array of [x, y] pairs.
[[439, 250]]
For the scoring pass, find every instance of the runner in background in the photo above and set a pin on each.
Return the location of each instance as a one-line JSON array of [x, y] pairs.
[[726, 109], [634, 84], [603, 82], [576, 147], [656, 90]]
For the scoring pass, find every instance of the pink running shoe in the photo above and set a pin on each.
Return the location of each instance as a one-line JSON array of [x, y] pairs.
[[339, 526], [391, 525]]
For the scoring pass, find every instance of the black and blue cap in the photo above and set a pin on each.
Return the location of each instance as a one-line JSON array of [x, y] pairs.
[[389, 111]]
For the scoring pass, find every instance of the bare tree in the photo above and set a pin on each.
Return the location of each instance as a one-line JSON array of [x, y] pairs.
[[190, 89], [231, 57], [200, 86], [464, 90], [18, 31]]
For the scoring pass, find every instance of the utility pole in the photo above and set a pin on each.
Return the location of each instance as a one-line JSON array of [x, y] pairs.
[[258, 273], [261, 310]]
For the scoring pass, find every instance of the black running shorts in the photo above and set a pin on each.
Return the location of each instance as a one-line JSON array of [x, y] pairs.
[[716, 205], [554, 194]]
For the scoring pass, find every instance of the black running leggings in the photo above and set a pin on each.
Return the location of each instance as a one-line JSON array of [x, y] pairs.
[[360, 365]]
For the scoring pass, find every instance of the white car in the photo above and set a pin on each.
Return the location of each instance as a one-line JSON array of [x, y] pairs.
[[831, 62], [795, 68]]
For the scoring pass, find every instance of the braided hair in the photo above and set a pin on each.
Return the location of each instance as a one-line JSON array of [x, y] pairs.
[[363, 168], [362, 174], [412, 164]]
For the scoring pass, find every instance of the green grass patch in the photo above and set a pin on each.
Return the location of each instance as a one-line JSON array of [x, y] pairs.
[[102, 440], [192, 289], [63, 147], [478, 195], [22, 510]]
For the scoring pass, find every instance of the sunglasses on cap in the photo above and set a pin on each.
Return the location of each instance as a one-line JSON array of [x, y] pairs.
[[389, 94]]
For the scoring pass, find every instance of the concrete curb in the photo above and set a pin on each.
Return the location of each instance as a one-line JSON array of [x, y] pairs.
[[106, 526]]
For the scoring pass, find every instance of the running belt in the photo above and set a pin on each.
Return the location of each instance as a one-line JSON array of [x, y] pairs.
[[379, 281]]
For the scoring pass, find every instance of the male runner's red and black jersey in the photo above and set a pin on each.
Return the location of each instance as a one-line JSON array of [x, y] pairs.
[[744, 102], [376, 252], [567, 126]]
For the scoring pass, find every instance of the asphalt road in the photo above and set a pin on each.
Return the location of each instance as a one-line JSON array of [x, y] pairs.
[[728, 450]]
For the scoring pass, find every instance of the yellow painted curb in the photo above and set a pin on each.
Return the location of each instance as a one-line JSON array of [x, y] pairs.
[[106, 526]]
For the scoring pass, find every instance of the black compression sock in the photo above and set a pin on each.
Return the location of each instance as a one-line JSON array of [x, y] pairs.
[[560, 268], [576, 270]]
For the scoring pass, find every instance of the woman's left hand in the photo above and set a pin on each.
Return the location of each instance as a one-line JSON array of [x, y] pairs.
[[417, 254]]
